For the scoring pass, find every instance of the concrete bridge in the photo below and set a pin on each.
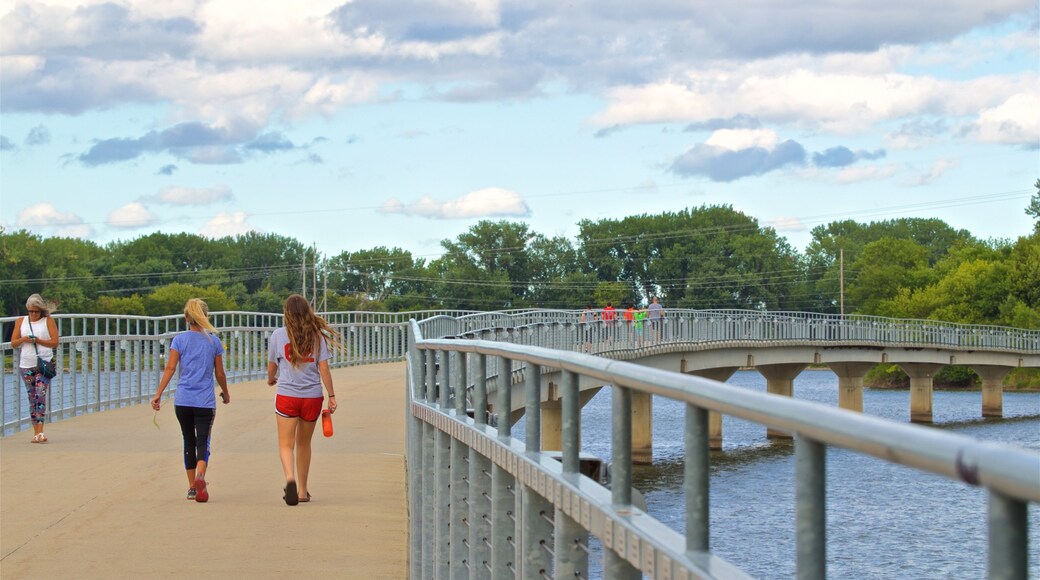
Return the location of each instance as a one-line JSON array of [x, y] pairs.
[[105, 497], [480, 503]]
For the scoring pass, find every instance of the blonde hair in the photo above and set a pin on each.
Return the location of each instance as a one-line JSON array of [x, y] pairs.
[[46, 307], [305, 328], [196, 311]]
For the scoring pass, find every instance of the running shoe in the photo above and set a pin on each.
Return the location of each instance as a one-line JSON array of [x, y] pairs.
[[191, 493], [201, 494]]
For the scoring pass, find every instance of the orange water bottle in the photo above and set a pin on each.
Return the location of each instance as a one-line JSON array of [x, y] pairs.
[[326, 423]]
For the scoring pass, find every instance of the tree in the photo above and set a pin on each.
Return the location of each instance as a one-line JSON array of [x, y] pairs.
[[882, 268], [377, 273], [170, 299], [706, 257]]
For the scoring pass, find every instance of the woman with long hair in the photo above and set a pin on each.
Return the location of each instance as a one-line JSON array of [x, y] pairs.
[[298, 363], [201, 357], [37, 335]]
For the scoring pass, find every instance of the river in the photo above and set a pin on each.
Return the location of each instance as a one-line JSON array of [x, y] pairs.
[[883, 520]]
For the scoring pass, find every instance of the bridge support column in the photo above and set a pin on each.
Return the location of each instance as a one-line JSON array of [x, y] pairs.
[[920, 390], [850, 383], [715, 419], [992, 388], [552, 426], [642, 428], [780, 381]]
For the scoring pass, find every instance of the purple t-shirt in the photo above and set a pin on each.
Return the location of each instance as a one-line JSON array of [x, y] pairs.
[[198, 352], [303, 381]]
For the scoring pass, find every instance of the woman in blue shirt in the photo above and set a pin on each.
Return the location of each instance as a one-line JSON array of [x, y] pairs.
[[201, 356]]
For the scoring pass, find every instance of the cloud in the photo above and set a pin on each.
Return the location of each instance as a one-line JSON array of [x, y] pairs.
[[169, 169], [195, 142], [131, 216], [788, 224], [191, 196], [934, 172], [738, 121], [6, 144], [420, 20], [732, 154], [917, 133], [1016, 121], [489, 202], [842, 156], [226, 224], [44, 217], [38, 135]]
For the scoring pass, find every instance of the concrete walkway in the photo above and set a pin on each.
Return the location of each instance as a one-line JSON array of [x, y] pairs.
[[105, 497]]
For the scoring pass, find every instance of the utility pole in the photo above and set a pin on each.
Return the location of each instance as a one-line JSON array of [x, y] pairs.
[[303, 275], [314, 288], [841, 270]]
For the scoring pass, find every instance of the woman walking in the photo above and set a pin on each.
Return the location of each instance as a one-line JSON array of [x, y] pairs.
[[200, 356], [298, 363], [37, 335]]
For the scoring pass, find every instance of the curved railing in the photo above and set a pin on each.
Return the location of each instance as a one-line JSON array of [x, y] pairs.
[[486, 504], [110, 361]]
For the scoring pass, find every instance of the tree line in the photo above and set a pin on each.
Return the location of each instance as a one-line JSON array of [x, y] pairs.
[[707, 257]]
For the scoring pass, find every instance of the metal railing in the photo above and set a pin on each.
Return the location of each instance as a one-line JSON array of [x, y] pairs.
[[484, 504], [110, 361]]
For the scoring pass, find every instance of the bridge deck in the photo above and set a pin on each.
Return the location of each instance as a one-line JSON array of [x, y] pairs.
[[106, 496]]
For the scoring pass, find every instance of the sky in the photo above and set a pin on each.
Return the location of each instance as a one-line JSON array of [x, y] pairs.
[[352, 125]]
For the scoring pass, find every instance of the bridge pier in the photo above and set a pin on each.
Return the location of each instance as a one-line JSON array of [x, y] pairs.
[[721, 375], [642, 428], [920, 389], [780, 381], [850, 383], [992, 388], [552, 417]]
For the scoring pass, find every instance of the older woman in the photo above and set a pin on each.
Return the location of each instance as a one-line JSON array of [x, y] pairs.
[[37, 335]]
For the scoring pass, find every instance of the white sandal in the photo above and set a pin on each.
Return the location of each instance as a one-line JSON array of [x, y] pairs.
[[36, 438], [43, 438]]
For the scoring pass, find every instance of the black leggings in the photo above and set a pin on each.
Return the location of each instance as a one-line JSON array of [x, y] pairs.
[[196, 423]]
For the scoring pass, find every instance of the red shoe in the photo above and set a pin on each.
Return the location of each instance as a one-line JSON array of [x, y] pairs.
[[201, 494]]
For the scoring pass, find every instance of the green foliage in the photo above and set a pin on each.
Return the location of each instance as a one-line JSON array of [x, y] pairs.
[[886, 376], [170, 299], [129, 305]]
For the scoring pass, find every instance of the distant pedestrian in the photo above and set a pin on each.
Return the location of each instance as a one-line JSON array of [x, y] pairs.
[[655, 316], [585, 322], [37, 336], [298, 362], [201, 358], [609, 319]]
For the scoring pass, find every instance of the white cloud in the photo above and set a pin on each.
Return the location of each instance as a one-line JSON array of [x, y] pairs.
[[132, 215], [934, 172], [489, 202], [1016, 121], [190, 196], [860, 173], [44, 217], [788, 224], [737, 139], [226, 224]]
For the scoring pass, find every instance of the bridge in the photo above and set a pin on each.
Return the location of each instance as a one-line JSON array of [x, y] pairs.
[[483, 503]]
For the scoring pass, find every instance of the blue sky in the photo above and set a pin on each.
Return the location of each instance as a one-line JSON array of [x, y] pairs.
[[352, 125]]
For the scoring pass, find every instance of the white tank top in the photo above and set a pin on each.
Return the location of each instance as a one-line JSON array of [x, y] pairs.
[[40, 330]]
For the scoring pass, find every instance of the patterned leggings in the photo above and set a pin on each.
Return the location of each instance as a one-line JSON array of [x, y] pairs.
[[36, 386]]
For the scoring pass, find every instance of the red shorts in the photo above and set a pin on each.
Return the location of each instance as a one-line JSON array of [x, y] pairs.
[[306, 409]]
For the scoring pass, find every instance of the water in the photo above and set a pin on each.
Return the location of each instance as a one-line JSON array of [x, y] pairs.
[[883, 520]]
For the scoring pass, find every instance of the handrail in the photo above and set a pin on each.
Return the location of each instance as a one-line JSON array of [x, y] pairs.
[[442, 398]]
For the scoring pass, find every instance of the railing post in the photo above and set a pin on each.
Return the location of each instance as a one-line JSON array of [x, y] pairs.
[[1008, 538], [479, 483], [811, 512], [503, 523], [441, 481], [571, 558], [459, 526], [616, 565], [696, 480]]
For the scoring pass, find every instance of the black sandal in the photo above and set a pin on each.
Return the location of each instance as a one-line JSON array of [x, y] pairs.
[[291, 497]]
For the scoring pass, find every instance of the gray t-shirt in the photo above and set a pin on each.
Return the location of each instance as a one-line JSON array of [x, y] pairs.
[[655, 311], [303, 381]]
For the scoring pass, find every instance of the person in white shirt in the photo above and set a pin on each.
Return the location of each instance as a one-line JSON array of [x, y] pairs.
[[37, 336]]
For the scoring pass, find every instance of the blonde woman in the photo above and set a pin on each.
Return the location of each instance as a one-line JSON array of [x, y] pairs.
[[298, 363], [201, 357], [37, 335]]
